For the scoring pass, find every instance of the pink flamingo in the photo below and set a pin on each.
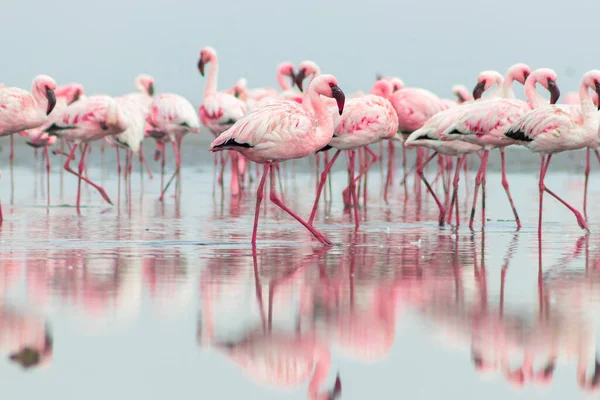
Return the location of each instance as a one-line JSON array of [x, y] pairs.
[[20, 110], [171, 118], [431, 134], [83, 122], [462, 94], [145, 86], [484, 123], [557, 128], [283, 131], [366, 120], [219, 110]]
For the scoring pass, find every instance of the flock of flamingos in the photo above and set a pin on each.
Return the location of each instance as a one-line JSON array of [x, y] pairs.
[[268, 126]]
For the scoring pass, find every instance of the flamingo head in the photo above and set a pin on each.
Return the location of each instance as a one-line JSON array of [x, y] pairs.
[[207, 55], [71, 92], [287, 69], [305, 69], [547, 78], [591, 79], [486, 80], [46, 86], [397, 83], [145, 83], [519, 72], [240, 89], [383, 88], [462, 93], [327, 85]]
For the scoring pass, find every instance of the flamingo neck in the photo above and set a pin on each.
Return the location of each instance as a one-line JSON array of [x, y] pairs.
[[587, 105], [211, 80], [507, 86], [499, 91], [283, 83], [320, 375], [534, 99], [325, 123], [39, 95]]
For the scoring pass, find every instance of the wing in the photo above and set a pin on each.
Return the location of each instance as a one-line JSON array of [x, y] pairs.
[[268, 126], [544, 121], [489, 117], [365, 114]]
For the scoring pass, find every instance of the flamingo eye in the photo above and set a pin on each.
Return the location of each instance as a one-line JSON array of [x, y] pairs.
[[331, 84]]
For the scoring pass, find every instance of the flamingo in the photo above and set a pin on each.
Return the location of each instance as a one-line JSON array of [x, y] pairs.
[[484, 123], [39, 138], [462, 94], [20, 110], [431, 133], [83, 122], [366, 120], [558, 128], [282, 131], [171, 118], [145, 85], [219, 111]]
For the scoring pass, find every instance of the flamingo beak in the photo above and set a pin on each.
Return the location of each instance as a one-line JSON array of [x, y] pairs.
[[597, 84], [293, 76], [300, 76], [478, 90], [337, 388], [51, 100], [201, 66], [339, 97], [76, 97], [525, 76], [554, 91], [151, 89]]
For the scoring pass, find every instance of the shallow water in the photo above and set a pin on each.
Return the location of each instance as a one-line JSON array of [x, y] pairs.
[[147, 299]]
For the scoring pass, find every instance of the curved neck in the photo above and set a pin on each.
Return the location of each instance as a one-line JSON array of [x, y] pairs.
[[283, 83], [507, 86], [320, 375], [211, 79], [499, 91], [587, 105], [534, 99], [325, 123], [39, 95]]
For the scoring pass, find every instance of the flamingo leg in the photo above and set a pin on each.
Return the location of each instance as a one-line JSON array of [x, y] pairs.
[[68, 168], [162, 168], [144, 163], [177, 167], [235, 174], [507, 189], [353, 189], [260, 193], [322, 239], [478, 180], [421, 174], [47, 173], [587, 175], [390, 178], [363, 170], [11, 155], [278, 170], [321, 185]]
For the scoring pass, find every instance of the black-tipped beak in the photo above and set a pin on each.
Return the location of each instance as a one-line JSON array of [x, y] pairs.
[[478, 90], [151, 89], [554, 91], [339, 97], [293, 76], [525, 76], [51, 100], [300, 76], [597, 84], [76, 97], [201, 66], [336, 392]]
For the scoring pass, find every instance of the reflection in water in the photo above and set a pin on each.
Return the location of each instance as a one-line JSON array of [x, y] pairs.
[[288, 317]]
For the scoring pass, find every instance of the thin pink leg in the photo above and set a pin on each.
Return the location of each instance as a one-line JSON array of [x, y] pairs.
[[319, 236], [279, 181], [177, 168], [363, 169], [541, 189], [478, 179], [260, 193], [353, 189], [47, 173], [587, 175], [420, 173], [390, 178], [11, 155], [507, 189], [321, 185], [235, 174], [144, 163], [455, 187]]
